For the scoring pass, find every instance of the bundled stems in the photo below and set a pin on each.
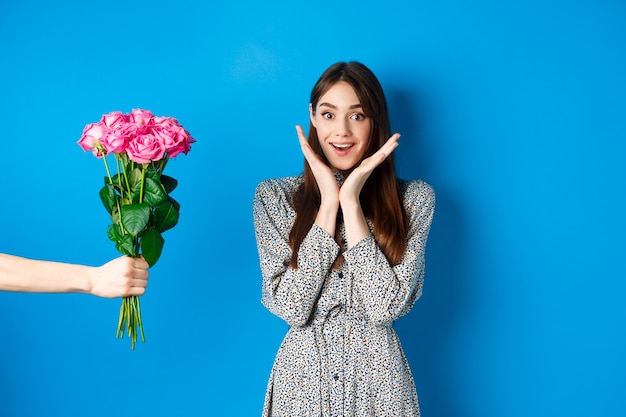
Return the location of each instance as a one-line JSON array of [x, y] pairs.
[[130, 320], [130, 310]]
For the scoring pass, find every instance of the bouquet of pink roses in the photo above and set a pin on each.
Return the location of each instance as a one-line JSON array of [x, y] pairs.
[[137, 196]]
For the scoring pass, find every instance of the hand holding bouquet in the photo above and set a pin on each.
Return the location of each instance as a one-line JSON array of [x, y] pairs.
[[137, 193]]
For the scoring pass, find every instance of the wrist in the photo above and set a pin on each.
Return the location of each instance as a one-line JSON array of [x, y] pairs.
[[350, 205], [326, 217], [87, 280]]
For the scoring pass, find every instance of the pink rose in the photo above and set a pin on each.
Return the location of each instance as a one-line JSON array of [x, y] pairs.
[[143, 149], [172, 135], [141, 117], [114, 119], [166, 130], [115, 141], [92, 135], [184, 141]]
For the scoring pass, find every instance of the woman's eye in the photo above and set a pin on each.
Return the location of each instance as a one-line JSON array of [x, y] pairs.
[[358, 116], [327, 115]]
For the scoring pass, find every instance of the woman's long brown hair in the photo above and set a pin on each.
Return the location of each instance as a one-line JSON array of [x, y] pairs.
[[380, 197]]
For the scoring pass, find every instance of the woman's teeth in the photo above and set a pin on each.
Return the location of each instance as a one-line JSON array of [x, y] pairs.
[[342, 146]]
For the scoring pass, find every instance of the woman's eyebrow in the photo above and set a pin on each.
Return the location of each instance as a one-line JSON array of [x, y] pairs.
[[332, 106]]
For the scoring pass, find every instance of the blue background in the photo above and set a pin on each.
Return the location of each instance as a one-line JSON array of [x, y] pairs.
[[515, 112]]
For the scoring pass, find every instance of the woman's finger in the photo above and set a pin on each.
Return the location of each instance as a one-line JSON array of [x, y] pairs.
[[390, 145], [381, 154], [301, 136], [312, 158], [307, 151]]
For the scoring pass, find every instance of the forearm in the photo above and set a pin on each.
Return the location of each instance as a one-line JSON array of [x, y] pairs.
[[327, 215], [28, 275], [290, 292], [386, 292], [355, 223], [389, 291]]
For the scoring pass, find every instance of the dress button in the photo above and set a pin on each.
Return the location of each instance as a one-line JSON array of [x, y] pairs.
[[336, 377], [340, 275]]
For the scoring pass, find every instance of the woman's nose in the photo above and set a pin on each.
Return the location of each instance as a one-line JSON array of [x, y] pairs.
[[343, 128]]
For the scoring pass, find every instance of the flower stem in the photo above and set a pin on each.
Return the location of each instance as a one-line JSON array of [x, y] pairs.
[[163, 163], [130, 320], [106, 166], [143, 181], [127, 183]]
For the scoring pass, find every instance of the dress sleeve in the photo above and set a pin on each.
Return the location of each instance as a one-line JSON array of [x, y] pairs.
[[287, 292], [385, 292]]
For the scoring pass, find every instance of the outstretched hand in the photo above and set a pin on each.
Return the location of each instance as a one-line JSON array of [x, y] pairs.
[[121, 277]]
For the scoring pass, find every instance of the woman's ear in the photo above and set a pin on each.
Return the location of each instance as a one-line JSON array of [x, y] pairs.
[[312, 115]]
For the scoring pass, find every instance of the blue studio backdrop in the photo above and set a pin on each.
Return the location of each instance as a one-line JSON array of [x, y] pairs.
[[514, 111]]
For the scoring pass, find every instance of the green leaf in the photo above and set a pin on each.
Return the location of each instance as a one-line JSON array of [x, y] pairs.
[[126, 245], [175, 203], [169, 183], [135, 177], [117, 178], [151, 245], [114, 232], [153, 192], [107, 195], [117, 182], [115, 215], [135, 217], [165, 216], [151, 172]]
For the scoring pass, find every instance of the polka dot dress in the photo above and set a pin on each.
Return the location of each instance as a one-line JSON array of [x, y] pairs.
[[341, 356]]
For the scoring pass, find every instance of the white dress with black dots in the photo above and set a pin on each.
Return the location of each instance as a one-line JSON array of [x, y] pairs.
[[341, 356]]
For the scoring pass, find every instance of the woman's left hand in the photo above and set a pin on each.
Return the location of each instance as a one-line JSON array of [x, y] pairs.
[[352, 186]]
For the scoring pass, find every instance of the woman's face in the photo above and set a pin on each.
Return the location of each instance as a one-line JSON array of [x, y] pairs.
[[342, 128]]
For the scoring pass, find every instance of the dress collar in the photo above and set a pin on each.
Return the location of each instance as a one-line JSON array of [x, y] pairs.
[[340, 176]]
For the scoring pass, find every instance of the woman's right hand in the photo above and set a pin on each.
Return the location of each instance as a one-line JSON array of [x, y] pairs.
[[326, 182]]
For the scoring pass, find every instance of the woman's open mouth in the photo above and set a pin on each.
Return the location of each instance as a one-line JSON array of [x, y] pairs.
[[342, 146]]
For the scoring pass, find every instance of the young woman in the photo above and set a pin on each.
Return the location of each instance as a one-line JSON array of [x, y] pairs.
[[341, 249]]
